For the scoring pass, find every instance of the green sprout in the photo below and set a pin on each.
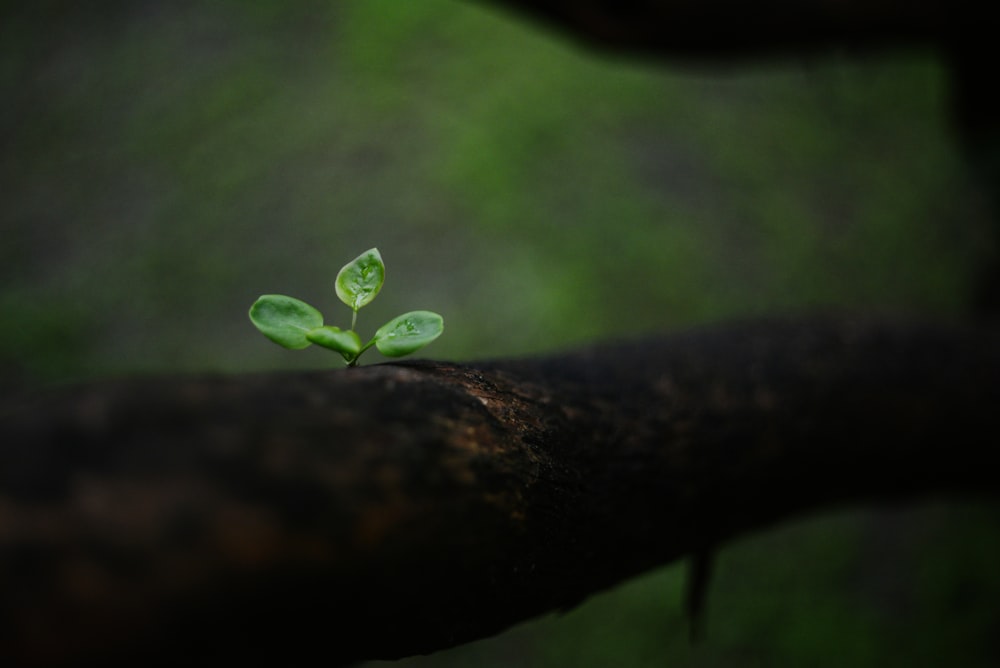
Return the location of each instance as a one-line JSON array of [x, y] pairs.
[[294, 324]]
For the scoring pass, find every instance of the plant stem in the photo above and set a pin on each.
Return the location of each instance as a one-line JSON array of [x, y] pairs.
[[354, 318]]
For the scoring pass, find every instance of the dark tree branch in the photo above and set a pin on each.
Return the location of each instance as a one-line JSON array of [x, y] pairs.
[[961, 32], [405, 508], [728, 28]]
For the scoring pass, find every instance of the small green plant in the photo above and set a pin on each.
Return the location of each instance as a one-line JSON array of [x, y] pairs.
[[294, 324]]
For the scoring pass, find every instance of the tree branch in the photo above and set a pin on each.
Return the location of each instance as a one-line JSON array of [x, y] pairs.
[[398, 509], [732, 28]]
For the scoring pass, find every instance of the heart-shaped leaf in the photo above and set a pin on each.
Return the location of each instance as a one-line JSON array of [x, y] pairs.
[[345, 342], [359, 281], [409, 332], [285, 320]]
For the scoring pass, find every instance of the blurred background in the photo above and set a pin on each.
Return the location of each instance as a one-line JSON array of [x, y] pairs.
[[163, 164]]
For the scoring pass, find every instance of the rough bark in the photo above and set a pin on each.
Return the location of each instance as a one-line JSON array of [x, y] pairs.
[[396, 509]]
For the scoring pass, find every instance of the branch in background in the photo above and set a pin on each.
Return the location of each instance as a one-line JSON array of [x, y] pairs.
[[731, 28], [399, 509], [731, 32]]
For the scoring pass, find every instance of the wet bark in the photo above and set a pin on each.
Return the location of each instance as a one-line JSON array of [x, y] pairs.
[[397, 509]]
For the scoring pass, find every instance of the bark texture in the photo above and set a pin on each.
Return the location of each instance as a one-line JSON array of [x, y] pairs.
[[397, 509]]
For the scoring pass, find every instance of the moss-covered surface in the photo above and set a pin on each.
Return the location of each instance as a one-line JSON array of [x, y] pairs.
[[162, 166]]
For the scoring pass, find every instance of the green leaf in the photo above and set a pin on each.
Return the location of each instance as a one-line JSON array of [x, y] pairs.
[[407, 333], [345, 342], [285, 320], [360, 279]]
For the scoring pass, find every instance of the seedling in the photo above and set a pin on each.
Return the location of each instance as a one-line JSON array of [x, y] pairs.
[[294, 324]]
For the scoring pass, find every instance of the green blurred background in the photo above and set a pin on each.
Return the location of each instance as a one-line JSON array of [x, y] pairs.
[[163, 164]]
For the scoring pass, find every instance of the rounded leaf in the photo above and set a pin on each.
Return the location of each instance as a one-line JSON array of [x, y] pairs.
[[407, 333], [285, 320], [360, 279], [345, 342]]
